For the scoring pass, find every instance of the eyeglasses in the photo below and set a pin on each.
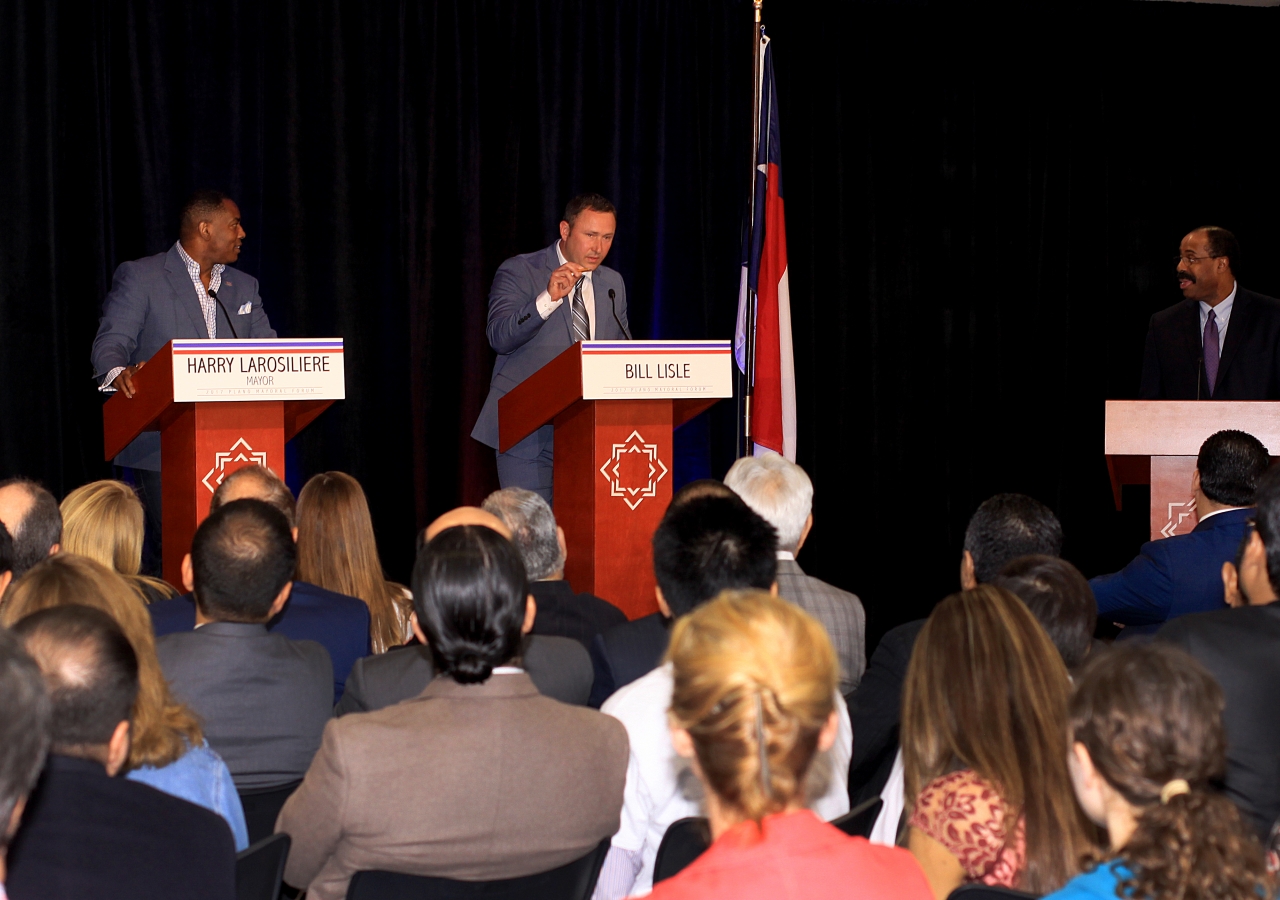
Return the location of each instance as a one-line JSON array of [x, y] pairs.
[[1194, 259]]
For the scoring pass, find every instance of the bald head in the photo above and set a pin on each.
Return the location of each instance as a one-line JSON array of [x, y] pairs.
[[34, 521], [467, 515], [256, 483]]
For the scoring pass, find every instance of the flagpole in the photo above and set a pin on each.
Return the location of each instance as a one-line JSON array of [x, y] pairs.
[[750, 376]]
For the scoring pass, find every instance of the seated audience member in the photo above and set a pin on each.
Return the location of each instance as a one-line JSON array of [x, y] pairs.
[[86, 833], [1059, 598], [1002, 529], [1147, 745], [478, 778], [338, 552], [984, 722], [753, 701], [24, 736], [34, 522], [105, 521], [167, 749], [6, 561], [1241, 648], [263, 698], [782, 494], [625, 652], [1182, 574], [701, 548], [339, 622], [542, 547], [1233, 571], [558, 666]]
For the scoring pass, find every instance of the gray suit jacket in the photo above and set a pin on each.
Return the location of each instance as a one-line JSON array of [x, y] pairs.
[[153, 301], [525, 342], [263, 698], [469, 781], [559, 666], [840, 611]]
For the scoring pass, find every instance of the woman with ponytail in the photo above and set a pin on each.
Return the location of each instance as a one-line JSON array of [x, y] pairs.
[[752, 703], [1146, 743]]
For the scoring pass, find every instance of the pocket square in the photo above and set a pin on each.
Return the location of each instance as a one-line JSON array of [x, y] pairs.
[[246, 309]]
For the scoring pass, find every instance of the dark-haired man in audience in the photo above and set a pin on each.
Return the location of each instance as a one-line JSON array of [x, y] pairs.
[[1002, 529], [339, 622], [263, 698], [87, 833], [1241, 647], [24, 735], [702, 547], [6, 560], [1059, 598], [542, 547], [559, 667], [1183, 574], [34, 521]]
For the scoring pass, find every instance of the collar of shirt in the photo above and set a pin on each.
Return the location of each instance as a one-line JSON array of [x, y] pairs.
[[193, 269], [786, 554], [1224, 509], [1221, 312], [507, 670]]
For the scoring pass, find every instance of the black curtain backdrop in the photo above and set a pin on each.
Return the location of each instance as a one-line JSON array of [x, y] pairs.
[[982, 215]]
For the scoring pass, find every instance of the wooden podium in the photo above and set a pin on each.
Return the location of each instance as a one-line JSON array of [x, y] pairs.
[[220, 405], [1156, 442], [614, 406]]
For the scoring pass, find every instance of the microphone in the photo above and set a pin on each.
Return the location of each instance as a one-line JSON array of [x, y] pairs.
[[226, 312], [613, 296]]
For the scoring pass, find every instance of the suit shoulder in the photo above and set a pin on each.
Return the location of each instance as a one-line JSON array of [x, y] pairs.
[[536, 259], [325, 599], [820, 586], [144, 265], [238, 276], [1167, 316]]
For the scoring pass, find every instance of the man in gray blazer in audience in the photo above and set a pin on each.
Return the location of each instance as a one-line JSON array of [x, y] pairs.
[[781, 493], [262, 697]]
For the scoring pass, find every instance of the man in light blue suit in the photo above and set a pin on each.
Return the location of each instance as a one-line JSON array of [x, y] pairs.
[[189, 291], [530, 324]]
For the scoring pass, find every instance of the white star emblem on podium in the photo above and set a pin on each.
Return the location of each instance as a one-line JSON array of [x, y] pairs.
[[633, 496], [220, 460]]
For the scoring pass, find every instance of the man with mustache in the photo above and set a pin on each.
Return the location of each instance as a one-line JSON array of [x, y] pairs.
[[1220, 343], [540, 304]]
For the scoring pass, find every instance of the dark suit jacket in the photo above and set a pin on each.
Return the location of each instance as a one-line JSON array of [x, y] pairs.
[[1241, 647], [1173, 576], [875, 707], [152, 301], [1250, 365], [525, 342], [87, 835], [338, 622], [627, 652], [578, 616], [559, 667], [263, 698]]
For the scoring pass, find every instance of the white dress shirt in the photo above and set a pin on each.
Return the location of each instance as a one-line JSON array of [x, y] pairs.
[[1221, 312], [546, 306]]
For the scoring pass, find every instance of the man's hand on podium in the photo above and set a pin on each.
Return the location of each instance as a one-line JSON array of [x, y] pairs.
[[124, 381], [563, 279]]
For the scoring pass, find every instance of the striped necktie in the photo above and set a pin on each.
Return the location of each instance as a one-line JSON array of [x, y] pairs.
[[581, 324]]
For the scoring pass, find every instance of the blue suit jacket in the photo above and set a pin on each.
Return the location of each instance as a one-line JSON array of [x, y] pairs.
[[525, 342], [1174, 576], [153, 301], [339, 622]]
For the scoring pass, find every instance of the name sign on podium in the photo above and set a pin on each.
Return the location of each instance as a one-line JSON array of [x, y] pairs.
[[271, 369], [654, 370]]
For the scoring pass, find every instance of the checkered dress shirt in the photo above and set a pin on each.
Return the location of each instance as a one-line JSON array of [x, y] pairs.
[[207, 303]]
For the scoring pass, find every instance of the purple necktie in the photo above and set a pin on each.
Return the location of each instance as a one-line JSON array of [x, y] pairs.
[[1211, 350]]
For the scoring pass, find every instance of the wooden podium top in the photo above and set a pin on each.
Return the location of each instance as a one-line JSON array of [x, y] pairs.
[[1179, 427]]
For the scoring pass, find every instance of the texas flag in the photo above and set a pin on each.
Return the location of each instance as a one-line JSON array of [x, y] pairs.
[[764, 278]]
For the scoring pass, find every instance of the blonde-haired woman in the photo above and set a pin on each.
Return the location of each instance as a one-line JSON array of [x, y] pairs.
[[984, 724], [752, 704], [338, 552], [168, 750], [104, 521]]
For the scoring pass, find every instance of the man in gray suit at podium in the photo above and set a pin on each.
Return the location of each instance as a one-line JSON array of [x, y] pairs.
[[530, 324]]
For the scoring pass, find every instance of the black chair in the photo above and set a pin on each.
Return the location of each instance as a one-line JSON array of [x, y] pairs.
[[262, 807], [859, 822], [987, 892], [574, 881], [685, 841], [260, 868]]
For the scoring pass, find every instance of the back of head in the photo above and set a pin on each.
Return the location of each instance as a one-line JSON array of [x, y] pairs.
[[242, 557], [777, 489], [1007, 526], [1222, 242], [201, 206], [533, 529], [40, 527], [1150, 714], [256, 483], [694, 490], [985, 688], [24, 726], [90, 670], [1231, 463], [755, 680], [103, 520], [469, 593], [708, 545], [1060, 599]]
